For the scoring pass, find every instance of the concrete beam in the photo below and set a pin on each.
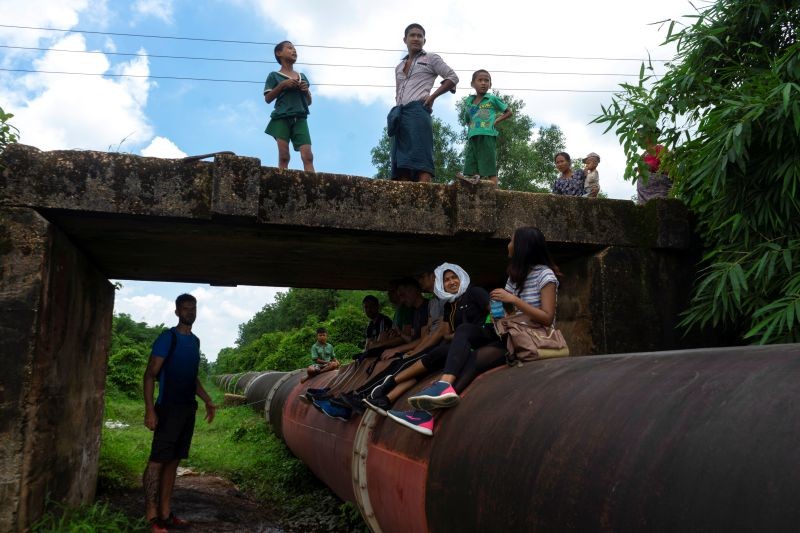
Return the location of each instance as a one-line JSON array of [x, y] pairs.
[[139, 218]]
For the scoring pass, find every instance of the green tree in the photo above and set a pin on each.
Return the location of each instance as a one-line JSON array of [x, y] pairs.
[[290, 310], [130, 349], [524, 163], [8, 133], [126, 368], [281, 334], [446, 154], [728, 109]]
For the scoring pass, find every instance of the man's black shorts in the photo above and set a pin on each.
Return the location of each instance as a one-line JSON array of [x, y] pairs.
[[173, 434]]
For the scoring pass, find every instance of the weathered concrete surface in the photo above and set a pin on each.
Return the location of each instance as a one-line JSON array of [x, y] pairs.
[[257, 224], [55, 322]]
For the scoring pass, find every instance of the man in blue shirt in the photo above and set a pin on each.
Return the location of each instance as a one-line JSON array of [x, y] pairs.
[[174, 362]]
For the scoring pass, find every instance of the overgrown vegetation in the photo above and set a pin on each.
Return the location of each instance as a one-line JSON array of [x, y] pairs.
[[280, 335], [728, 108], [524, 160], [8, 133], [86, 519]]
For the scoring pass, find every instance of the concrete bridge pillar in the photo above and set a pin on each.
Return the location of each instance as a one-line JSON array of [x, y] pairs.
[[55, 332]]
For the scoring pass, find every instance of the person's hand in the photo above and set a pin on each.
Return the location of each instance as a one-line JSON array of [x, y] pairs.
[[389, 353], [303, 86], [503, 296], [150, 419], [211, 411], [428, 103], [289, 83]]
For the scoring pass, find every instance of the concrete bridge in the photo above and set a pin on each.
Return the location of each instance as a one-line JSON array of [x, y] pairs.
[[70, 220]]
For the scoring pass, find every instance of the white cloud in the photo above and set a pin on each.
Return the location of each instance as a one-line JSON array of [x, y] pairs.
[[464, 37], [163, 147], [220, 309], [37, 13], [57, 111], [160, 9]]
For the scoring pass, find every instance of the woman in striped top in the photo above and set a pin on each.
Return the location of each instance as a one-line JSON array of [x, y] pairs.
[[532, 284]]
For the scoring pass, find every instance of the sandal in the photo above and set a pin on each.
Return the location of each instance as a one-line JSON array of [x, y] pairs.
[[173, 522]]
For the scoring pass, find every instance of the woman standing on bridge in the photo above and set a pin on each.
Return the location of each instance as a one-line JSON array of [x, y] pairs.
[[531, 289], [569, 182]]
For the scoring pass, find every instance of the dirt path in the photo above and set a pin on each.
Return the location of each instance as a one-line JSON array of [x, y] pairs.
[[210, 503]]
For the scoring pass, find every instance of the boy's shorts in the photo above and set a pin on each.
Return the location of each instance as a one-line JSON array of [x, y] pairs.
[[480, 157], [290, 129], [173, 435]]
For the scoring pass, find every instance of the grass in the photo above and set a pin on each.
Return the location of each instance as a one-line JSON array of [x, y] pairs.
[[86, 519], [238, 446]]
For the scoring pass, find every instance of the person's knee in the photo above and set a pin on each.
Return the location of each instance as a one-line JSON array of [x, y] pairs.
[[283, 154], [306, 154]]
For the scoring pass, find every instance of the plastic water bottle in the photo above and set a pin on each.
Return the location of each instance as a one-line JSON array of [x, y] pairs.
[[496, 307]]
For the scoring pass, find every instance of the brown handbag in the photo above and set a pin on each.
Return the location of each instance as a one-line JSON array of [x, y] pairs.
[[527, 340]]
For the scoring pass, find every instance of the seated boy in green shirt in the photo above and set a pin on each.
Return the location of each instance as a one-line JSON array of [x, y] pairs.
[[324, 360]]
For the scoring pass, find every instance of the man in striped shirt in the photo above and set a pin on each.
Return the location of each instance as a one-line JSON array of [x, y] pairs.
[[409, 123]]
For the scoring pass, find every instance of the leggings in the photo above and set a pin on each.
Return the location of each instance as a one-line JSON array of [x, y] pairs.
[[461, 355], [480, 360]]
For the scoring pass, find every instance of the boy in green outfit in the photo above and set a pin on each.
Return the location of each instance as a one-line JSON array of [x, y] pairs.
[[292, 97], [481, 113], [322, 355]]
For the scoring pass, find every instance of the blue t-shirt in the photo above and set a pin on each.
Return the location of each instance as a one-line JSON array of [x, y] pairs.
[[177, 381]]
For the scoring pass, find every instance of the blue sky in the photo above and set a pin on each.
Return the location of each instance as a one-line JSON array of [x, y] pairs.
[[170, 118]]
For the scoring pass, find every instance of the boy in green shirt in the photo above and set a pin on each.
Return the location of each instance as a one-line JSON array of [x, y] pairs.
[[480, 112], [322, 355], [292, 97]]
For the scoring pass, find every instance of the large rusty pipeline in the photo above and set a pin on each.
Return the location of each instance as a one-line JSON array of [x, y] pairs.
[[695, 440]]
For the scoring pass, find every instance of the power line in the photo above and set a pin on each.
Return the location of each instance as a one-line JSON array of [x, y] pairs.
[[263, 61], [263, 43], [220, 80]]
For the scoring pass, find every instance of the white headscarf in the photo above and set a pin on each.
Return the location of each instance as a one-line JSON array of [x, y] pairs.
[[438, 284]]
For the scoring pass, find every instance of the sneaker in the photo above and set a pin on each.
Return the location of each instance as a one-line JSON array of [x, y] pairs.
[[381, 404], [383, 388], [438, 396], [173, 522], [419, 420], [157, 526], [333, 411]]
